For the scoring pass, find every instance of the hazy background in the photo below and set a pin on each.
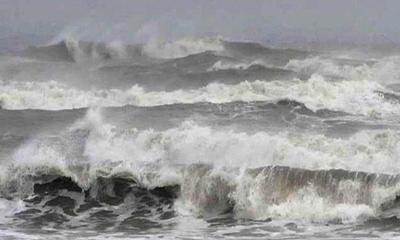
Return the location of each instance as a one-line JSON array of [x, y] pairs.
[[339, 21]]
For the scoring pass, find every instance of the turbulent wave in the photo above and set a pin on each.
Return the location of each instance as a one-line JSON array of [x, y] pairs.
[[355, 97], [384, 71], [73, 49], [237, 133], [94, 170], [76, 50], [283, 192], [174, 146], [224, 65], [262, 193], [182, 47], [255, 51]]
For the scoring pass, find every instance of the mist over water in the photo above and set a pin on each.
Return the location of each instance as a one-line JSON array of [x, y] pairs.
[[167, 124]]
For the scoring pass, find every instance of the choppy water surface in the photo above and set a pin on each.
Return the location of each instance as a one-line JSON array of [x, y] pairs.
[[197, 138]]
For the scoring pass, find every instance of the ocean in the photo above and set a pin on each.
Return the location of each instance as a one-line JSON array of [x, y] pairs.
[[198, 138]]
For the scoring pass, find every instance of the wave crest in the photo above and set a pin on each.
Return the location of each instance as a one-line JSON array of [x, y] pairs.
[[182, 47], [355, 97], [311, 185]]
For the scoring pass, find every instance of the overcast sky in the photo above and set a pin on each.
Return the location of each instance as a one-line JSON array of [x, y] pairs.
[[131, 20]]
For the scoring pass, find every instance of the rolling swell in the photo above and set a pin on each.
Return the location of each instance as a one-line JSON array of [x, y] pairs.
[[249, 50], [72, 50], [56, 52], [193, 72], [75, 50]]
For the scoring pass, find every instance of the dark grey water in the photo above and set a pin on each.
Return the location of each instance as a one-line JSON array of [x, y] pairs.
[[198, 138]]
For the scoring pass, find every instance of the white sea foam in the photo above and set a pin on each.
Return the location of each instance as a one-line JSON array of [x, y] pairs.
[[384, 71], [111, 150], [304, 205], [224, 65], [158, 158], [326, 66], [356, 97], [182, 47], [81, 51]]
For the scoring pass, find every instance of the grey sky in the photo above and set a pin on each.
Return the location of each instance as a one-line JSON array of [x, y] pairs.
[[133, 20]]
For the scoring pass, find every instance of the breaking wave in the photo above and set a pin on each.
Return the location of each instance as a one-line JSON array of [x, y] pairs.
[[354, 97], [225, 65], [73, 49], [384, 71], [290, 135], [105, 165], [182, 47], [76, 50]]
